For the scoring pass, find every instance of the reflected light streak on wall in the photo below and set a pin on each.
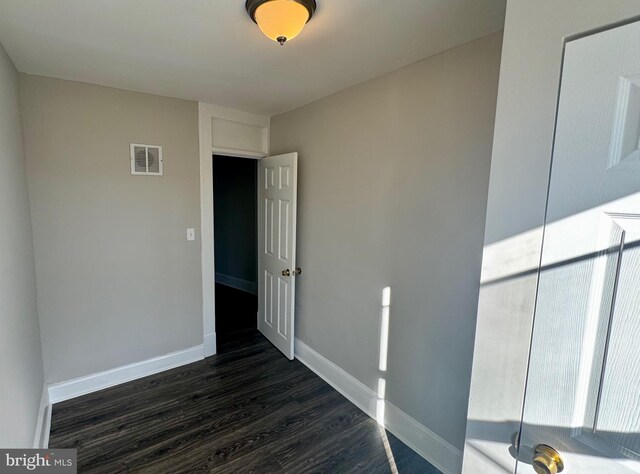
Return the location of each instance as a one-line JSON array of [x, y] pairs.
[[384, 343], [382, 386], [384, 328]]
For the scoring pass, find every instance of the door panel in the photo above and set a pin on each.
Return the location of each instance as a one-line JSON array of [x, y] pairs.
[[276, 261], [616, 421], [583, 384]]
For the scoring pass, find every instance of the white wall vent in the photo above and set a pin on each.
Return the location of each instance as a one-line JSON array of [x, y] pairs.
[[146, 159]]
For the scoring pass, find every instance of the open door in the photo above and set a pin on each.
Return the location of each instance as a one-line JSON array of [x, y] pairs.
[[277, 203], [582, 404]]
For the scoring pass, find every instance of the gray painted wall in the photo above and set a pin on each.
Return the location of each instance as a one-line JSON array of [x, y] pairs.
[[117, 280], [235, 203], [529, 79], [392, 188], [21, 372]]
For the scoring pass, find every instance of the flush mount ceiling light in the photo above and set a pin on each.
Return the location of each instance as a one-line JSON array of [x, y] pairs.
[[281, 20]]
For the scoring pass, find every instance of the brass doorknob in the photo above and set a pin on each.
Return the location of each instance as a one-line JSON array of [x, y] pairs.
[[297, 271], [547, 460], [286, 273]]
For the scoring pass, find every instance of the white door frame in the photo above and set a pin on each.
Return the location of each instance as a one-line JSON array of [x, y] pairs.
[[226, 132]]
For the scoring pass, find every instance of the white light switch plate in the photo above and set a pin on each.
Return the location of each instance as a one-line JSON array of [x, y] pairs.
[[191, 234]]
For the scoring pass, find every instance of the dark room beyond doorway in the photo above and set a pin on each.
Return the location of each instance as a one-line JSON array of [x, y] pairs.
[[235, 242]]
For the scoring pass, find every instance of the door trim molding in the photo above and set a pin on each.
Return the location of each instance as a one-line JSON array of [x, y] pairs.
[[68, 389], [418, 437], [209, 144]]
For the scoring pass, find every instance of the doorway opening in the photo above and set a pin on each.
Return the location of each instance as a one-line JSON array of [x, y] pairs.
[[235, 216]]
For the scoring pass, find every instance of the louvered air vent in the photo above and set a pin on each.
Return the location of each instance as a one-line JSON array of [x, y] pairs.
[[146, 159]]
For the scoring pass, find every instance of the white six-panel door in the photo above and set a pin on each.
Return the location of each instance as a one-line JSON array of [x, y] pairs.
[[583, 386], [277, 187]]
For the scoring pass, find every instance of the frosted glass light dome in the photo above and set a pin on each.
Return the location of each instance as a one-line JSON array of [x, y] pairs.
[[281, 20]]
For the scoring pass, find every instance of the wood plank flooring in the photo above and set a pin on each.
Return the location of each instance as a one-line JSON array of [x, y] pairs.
[[247, 409]]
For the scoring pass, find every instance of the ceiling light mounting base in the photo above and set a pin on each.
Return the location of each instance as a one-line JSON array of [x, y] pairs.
[[252, 6]]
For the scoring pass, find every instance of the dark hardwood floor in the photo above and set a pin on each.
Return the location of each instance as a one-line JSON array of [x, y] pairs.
[[247, 409]]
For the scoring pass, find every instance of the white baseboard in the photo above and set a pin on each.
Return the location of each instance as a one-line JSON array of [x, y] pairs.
[[210, 347], [357, 392], [423, 441], [237, 283], [43, 422], [92, 383]]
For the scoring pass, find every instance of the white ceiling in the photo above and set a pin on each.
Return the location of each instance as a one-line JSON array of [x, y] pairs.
[[210, 50]]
